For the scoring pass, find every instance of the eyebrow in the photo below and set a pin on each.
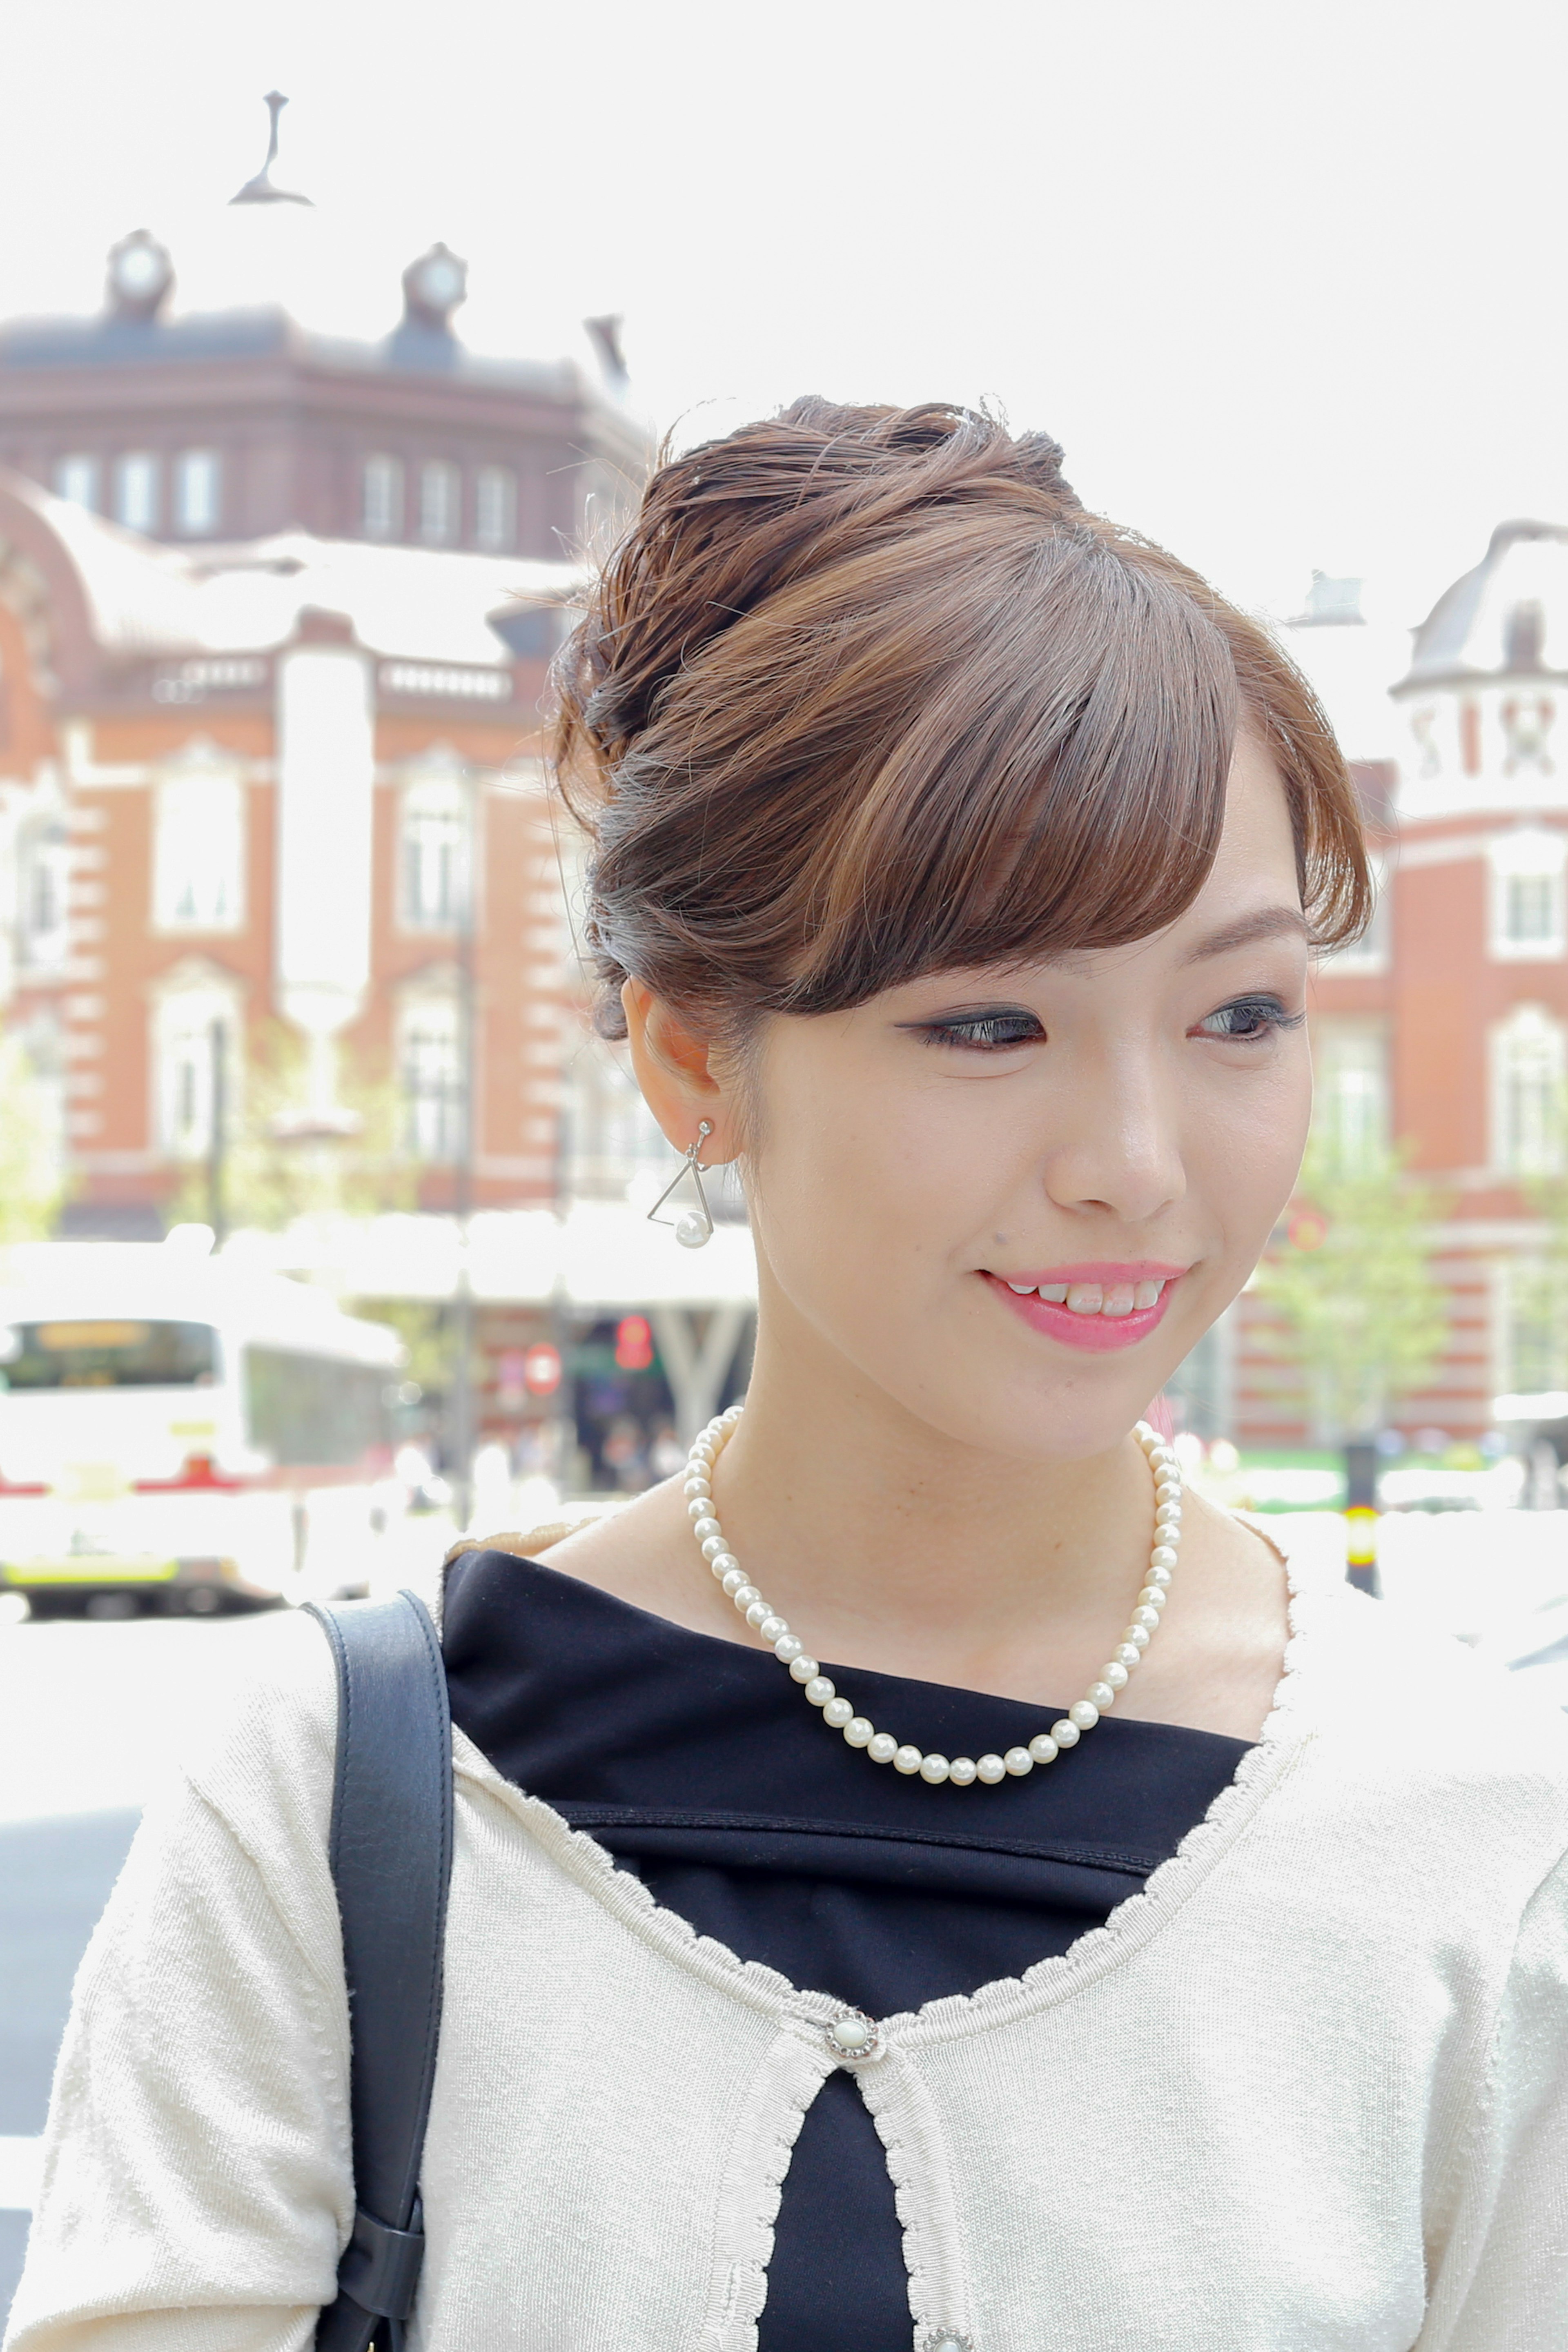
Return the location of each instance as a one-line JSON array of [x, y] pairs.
[[1268, 923]]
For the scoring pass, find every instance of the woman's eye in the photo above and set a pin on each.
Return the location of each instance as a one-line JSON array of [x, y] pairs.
[[986, 1032], [1250, 1019]]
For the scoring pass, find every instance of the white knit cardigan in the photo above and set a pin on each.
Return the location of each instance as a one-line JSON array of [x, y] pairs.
[[1309, 2091]]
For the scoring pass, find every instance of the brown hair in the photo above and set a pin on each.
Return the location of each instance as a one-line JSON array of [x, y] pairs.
[[865, 693]]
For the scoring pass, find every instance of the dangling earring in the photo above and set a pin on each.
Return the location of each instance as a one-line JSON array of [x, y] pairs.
[[694, 1226]]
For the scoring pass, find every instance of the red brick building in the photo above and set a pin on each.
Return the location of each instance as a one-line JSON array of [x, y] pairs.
[[1446, 1030]]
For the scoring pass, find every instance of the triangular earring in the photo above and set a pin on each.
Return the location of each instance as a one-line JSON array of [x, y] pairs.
[[693, 1228]]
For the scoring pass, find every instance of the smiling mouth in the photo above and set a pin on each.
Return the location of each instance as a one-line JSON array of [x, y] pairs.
[[1108, 1298]]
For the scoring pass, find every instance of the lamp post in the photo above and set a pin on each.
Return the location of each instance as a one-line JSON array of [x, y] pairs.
[[461, 1406]]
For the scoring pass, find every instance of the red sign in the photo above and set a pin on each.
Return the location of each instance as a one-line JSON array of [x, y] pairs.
[[634, 1343], [541, 1369]]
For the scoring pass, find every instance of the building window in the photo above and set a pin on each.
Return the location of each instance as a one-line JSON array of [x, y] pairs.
[[1350, 1092], [1527, 895], [430, 1066], [495, 509], [1527, 1070], [380, 509], [198, 491], [43, 865], [440, 502], [1531, 1328], [194, 1058], [434, 854], [136, 492], [77, 480], [198, 865]]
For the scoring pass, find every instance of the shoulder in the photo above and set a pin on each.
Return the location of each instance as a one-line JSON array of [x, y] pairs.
[[1416, 1735], [266, 1767]]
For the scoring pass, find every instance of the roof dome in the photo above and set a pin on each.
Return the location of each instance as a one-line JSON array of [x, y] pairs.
[[1508, 618]]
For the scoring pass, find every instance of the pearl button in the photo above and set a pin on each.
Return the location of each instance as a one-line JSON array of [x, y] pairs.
[[851, 2032]]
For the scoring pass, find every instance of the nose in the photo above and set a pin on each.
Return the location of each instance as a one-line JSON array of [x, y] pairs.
[[1117, 1150]]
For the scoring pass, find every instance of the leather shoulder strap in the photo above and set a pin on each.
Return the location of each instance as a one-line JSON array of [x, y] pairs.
[[390, 1858]]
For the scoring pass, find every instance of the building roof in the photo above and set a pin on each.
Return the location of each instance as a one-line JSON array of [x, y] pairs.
[[1508, 618], [144, 599]]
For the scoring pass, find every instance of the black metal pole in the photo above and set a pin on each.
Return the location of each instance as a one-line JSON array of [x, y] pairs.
[[462, 1415]]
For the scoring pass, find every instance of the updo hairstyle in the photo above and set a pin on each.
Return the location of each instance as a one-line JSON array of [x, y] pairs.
[[865, 693]]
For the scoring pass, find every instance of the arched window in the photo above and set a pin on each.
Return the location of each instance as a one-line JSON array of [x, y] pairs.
[[381, 498], [430, 1072], [198, 861], [434, 851], [1528, 1065], [440, 502], [195, 1061], [1351, 1111], [495, 509]]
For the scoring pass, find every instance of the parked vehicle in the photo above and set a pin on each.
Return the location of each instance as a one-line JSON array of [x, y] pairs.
[[177, 1434]]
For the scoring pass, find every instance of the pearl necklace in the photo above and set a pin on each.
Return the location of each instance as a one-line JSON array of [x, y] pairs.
[[880, 1746]]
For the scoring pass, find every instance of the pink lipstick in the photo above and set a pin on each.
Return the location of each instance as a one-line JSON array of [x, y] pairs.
[[1096, 1306]]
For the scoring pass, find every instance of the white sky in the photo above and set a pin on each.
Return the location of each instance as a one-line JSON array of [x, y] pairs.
[[1287, 280]]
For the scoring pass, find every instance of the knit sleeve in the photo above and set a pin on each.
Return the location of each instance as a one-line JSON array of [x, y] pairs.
[[197, 2181], [1501, 2281]]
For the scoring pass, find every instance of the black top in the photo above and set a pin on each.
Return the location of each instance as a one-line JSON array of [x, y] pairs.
[[699, 1766]]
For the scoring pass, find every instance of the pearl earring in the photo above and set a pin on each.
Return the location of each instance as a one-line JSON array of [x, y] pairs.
[[694, 1226]]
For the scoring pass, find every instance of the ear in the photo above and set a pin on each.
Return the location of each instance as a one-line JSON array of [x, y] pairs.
[[675, 1070]]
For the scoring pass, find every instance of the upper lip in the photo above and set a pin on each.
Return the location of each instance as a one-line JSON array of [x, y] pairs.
[[1099, 1270]]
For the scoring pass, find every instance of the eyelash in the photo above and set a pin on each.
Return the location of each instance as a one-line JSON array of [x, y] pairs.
[[1268, 1014], [1001, 1033]]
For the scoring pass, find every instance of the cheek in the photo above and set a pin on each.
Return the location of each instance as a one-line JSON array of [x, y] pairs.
[[1246, 1150]]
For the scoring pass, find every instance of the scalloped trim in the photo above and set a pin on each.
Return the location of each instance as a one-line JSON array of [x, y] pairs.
[[1005, 1999]]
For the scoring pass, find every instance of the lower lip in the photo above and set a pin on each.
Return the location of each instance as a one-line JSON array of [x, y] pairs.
[[1095, 1333]]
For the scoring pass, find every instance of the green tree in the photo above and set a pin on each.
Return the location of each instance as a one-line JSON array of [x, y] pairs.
[[276, 1169], [32, 1164], [1361, 1314]]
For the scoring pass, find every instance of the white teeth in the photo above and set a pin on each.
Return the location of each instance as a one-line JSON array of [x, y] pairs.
[[1147, 1293], [1092, 1298], [1117, 1299], [1022, 1289], [1055, 1292], [1085, 1298]]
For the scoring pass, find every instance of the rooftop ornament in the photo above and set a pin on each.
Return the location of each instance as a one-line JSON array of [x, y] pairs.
[[261, 190], [140, 277], [432, 286]]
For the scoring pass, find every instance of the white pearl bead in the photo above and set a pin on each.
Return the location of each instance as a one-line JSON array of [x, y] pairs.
[[907, 1758], [802, 1668], [1043, 1748], [701, 1507], [773, 1629], [1064, 1733], [787, 1648], [1018, 1761], [858, 1731], [991, 1769], [1146, 1617], [882, 1749], [1114, 1673], [1085, 1715], [1101, 1696], [838, 1712], [1137, 1636], [706, 1528], [934, 1768], [712, 1544], [743, 1595], [759, 1614], [1169, 1515], [732, 1580], [1161, 1576], [962, 1771], [819, 1689], [1128, 1656], [1162, 1556], [1152, 1596], [721, 1564], [1167, 1490]]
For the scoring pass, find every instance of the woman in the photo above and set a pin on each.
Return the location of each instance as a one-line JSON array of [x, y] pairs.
[[1122, 1940]]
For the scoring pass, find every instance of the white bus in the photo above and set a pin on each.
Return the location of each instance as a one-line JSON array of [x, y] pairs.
[[178, 1435]]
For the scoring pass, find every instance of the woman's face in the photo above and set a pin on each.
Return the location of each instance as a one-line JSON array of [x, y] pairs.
[[1014, 1200]]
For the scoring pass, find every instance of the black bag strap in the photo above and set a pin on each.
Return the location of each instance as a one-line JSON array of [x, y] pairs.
[[391, 1858]]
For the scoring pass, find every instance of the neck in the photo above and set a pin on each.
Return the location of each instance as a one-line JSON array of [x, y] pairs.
[[880, 1530]]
